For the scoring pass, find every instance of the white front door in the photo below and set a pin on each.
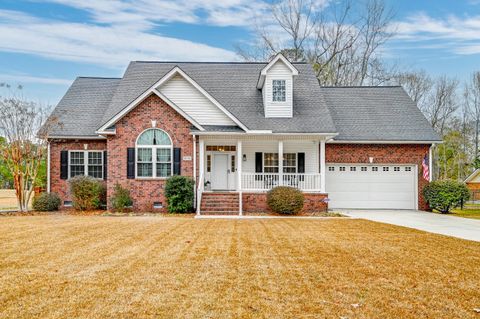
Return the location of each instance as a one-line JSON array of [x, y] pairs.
[[220, 172]]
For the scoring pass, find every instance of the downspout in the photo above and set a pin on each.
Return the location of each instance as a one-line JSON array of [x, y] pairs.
[[48, 166], [430, 162]]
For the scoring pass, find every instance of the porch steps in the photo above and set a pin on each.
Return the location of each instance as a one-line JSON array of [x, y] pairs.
[[219, 203]]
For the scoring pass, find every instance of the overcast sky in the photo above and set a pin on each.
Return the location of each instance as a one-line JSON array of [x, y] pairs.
[[44, 45]]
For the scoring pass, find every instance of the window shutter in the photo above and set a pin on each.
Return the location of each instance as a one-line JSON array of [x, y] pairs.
[[105, 165], [177, 161], [64, 165], [131, 163], [301, 163], [258, 162]]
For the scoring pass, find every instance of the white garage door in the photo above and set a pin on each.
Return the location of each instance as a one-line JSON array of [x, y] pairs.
[[371, 186]]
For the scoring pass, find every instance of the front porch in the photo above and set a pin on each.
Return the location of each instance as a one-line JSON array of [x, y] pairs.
[[256, 164]]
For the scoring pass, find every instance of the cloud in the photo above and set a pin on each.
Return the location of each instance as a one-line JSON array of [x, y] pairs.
[[452, 33], [19, 78], [150, 12], [108, 45]]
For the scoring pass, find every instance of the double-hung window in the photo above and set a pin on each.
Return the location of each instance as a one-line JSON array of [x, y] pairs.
[[278, 91], [154, 154], [88, 163], [270, 162]]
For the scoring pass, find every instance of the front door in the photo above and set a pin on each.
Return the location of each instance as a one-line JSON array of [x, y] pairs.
[[220, 172]]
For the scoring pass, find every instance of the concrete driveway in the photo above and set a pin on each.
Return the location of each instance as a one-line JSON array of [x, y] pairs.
[[435, 223]]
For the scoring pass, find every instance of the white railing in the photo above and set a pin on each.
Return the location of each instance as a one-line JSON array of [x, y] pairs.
[[267, 181]]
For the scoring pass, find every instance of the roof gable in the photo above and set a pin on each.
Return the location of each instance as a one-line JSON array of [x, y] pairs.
[[279, 58], [188, 113], [474, 177]]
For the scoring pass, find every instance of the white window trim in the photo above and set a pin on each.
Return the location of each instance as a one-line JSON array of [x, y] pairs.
[[285, 85], [154, 156], [85, 162], [278, 166]]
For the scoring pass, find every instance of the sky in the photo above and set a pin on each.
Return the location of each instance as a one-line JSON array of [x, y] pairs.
[[45, 45]]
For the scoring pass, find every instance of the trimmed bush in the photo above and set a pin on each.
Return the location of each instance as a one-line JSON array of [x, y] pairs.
[[87, 192], [446, 194], [121, 199], [179, 191], [285, 200], [46, 202]]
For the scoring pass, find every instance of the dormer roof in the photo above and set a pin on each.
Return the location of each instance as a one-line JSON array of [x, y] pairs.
[[278, 57]]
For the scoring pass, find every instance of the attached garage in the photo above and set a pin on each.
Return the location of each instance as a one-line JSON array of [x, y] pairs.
[[387, 186]]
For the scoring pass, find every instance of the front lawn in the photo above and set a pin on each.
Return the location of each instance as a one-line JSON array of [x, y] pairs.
[[154, 267], [468, 211]]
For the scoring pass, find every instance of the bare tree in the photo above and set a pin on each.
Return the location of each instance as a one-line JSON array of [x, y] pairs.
[[417, 84], [442, 103], [472, 104], [20, 120], [341, 40]]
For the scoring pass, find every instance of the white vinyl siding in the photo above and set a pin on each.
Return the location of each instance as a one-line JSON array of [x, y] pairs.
[[310, 149], [193, 102], [279, 71]]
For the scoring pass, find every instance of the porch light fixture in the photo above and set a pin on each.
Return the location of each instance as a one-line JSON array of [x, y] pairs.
[[244, 157]]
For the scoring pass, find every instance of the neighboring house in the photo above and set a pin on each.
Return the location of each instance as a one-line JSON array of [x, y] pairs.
[[473, 184], [240, 129]]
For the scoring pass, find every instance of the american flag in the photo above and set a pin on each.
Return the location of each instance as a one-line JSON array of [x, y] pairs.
[[426, 171]]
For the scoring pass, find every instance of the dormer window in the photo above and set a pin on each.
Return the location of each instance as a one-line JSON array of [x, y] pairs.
[[278, 91]]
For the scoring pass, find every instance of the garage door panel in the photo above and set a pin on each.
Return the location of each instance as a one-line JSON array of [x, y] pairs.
[[389, 187]]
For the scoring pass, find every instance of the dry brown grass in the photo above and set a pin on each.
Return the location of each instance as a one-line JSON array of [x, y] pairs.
[[150, 267], [7, 199]]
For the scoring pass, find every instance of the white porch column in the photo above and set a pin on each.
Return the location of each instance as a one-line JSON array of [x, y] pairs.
[[280, 163], [239, 176], [201, 170], [322, 166], [194, 138]]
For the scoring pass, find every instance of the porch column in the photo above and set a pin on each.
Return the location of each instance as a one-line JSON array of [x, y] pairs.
[[239, 165], [280, 163], [201, 171], [322, 166], [195, 183], [239, 177]]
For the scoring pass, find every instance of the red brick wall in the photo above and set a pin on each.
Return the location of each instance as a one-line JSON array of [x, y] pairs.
[[257, 203], [60, 186], [382, 154], [146, 191]]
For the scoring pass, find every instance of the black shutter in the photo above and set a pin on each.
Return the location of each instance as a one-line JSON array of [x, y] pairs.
[[177, 161], [258, 162], [64, 165], [301, 163], [130, 163], [105, 165]]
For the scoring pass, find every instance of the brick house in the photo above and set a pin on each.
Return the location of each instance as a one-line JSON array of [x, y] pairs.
[[239, 129]]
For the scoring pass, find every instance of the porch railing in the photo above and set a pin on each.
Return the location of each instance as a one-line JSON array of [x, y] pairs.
[[267, 181]]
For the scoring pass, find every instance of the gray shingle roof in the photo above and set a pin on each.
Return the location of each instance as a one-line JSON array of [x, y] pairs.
[[356, 113], [376, 114], [80, 111], [233, 85]]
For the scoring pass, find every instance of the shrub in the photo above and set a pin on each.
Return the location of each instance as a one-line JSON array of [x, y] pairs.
[[46, 202], [121, 198], [446, 194], [87, 193], [285, 200], [179, 193]]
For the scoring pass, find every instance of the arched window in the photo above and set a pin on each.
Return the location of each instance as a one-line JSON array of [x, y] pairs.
[[154, 154]]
